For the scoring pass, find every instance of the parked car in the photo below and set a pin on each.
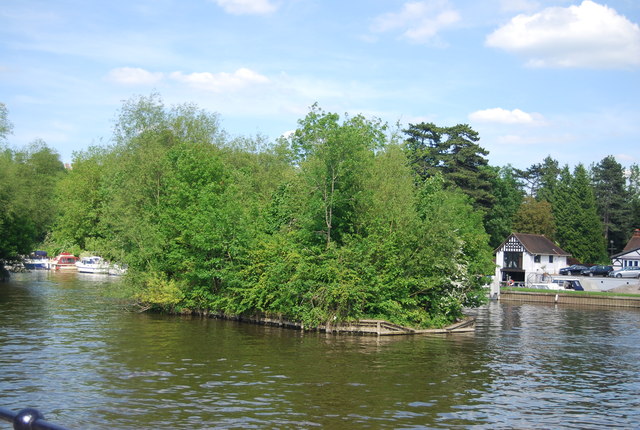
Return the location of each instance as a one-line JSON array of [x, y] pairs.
[[626, 272], [574, 269], [597, 271]]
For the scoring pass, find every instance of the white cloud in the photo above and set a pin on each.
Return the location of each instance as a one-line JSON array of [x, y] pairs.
[[221, 82], [419, 21], [589, 35], [504, 116], [247, 7], [134, 76]]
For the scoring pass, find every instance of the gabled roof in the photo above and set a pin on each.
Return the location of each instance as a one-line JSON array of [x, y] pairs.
[[632, 245], [537, 244]]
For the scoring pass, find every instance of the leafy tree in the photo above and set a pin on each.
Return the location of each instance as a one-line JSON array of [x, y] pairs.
[[5, 125], [81, 200], [613, 202], [535, 217], [334, 158], [27, 181]]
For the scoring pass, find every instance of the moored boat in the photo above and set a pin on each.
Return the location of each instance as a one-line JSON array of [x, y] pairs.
[[36, 260], [64, 261], [117, 270], [93, 264]]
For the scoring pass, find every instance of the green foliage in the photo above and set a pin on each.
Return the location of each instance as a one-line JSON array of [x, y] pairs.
[[613, 201], [579, 229], [27, 207], [328, 225], [334, 160], [535, 217], [500, 221], [633, 188], [541, 178], [157, 290], [454, 153], [6, 127]]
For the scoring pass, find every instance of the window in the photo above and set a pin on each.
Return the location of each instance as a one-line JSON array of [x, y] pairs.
[[513, 260], [551, 259], [536, 258]]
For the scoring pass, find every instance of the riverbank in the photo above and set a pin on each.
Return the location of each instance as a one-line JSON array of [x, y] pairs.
[[366, 327]]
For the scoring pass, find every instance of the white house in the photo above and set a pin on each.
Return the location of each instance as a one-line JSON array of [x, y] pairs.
[[522, 255], [630, 255]]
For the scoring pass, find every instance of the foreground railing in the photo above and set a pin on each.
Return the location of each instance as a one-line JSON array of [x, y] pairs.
[[28, 419]]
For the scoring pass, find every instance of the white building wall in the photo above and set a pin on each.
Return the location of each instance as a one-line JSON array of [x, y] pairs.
[[529, 265], [631, 258]]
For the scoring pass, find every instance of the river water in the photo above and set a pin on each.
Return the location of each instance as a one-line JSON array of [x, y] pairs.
[[86, 362]]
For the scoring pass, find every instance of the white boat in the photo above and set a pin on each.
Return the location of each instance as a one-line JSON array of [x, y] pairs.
[[117, 270], [93, 264], [558, 284], [36, 260]]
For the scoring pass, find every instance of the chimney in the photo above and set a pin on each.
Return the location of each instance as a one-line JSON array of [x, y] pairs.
[[636, 232]]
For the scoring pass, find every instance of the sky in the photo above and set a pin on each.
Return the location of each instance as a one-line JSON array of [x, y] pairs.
[[534, 78]]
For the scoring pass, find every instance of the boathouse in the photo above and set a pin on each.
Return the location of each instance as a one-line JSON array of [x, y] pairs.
[[523, 254], [630, 255]]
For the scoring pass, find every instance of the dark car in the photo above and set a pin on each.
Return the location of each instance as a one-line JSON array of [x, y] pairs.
[[597, 271], [575, 269]]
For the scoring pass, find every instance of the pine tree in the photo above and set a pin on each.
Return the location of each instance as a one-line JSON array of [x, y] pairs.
[[454, 153], [579, 230], [614, 204]]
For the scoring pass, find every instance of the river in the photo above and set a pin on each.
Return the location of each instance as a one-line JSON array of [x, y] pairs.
[[87, 362]]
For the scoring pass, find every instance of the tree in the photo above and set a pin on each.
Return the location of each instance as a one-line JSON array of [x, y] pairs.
[[81, 198], [455, 153], [535, 217], [499, 221], [541, 178], [579, 230], [613, 201], [27, 181], [5, 125], [633, 188], [334, 159], [549, 173]]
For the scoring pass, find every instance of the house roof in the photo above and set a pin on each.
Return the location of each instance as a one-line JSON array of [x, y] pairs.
[[632, 245], [537, 244]]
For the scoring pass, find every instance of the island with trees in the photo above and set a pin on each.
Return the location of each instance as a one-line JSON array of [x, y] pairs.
[[345, 218]]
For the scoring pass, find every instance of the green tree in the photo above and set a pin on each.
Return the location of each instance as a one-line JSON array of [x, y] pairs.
[[81, 200], [579, 230], [541, 178], [535, 217], [508, 194], [633, 188], [6, 127], [334, 159], [27, 182], [455, 153], [549, 173], [613, 201]]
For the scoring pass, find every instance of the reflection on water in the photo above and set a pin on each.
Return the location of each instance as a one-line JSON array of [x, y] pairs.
[[86, 362]]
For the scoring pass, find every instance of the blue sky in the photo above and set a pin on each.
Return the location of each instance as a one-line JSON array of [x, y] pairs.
[[533, 77]]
